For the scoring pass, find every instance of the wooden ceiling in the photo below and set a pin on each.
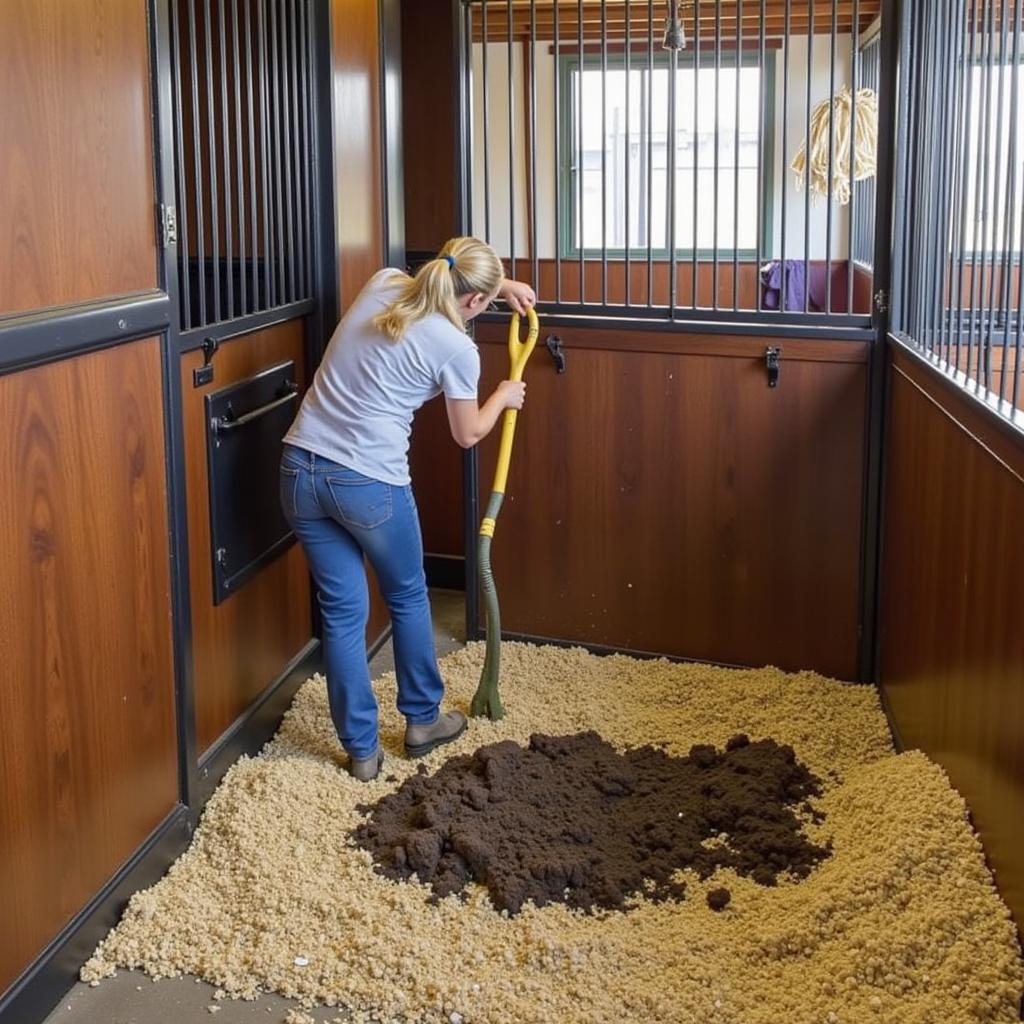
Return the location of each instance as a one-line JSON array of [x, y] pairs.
[[802, 16]]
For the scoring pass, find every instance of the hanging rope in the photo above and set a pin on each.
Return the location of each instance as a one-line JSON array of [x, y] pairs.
[[864, 148]]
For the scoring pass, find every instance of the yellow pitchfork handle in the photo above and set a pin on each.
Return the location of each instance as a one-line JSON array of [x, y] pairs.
[[519, 353], [487, 700]]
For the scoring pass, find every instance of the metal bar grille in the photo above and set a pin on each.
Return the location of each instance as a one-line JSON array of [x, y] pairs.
[[242, 95], [963, 219], [678, 159]]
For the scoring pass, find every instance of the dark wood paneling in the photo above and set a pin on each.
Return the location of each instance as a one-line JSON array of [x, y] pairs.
[[428, 125], [241, 645], [952, 655], [87, 701], [435, 462], [357, 144], [77, 217], [667, 500]]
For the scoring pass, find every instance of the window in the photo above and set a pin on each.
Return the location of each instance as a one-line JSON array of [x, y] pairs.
[[864, 191], [993, 142], [629, 146]]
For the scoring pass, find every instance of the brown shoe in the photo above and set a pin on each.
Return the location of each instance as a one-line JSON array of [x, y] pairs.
[[422, 739]]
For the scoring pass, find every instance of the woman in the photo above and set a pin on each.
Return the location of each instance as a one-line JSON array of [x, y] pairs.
[[345, 478]]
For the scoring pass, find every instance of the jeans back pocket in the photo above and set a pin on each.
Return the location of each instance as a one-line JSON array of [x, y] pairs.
[[363, 503]]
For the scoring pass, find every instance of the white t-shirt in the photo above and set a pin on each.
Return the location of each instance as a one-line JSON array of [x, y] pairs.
[[359, 409]]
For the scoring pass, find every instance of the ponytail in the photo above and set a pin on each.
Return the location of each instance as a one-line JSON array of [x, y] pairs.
[[465, 266]]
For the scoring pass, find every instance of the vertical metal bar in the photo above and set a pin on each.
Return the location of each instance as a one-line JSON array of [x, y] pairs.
[[277, 59], [309, 288], [648, 96], [991, 217], [229, 249], [211, 131], [288, 148], [671, 143], [954, 182], [511, 144], [762, 171], [183, 199], [1012, 208], [579, 152], [736, 162], [269, 284], [807, 154], [253, 256], [787, 39], [851, 221], [465, 93], [925, 184], [627, 150], [714, 184], [486, 100], [831, 155], [197, 167], [695, 247], [533, 146], [604, 153], [967, 61], [239, 162], [557, 161], [979, 201], [297, 148], [948, 63]]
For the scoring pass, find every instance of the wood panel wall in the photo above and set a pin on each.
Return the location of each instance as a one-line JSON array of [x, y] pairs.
[[359, 178], [429, 80], [359, 208], [87, 701], [77, 221], [952, 655], [241, 645], [664, 498]]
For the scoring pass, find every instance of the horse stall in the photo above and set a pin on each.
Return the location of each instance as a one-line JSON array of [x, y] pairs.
[[759, 751]]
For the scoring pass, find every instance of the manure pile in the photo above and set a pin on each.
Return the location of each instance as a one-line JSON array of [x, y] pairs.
[[636, 840]]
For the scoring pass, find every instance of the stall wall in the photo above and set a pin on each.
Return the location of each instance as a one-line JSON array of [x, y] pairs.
[[359, 176], [88, 740], [952, 656], [663, 498]]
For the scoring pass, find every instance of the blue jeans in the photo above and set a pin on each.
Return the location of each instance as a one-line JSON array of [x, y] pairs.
[[339, 516]]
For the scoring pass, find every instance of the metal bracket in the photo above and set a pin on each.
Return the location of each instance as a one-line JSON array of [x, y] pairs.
[[168, 225], [881, 301], [554, 344], [772, 356], [203, 375]]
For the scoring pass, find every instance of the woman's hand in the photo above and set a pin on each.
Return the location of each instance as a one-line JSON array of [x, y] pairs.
[[513, 394], [519, 296]]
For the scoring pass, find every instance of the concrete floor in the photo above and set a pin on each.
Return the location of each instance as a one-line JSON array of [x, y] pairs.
[[133, 998]]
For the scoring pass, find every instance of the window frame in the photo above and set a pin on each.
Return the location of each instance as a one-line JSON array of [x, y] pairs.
[[569, 189]]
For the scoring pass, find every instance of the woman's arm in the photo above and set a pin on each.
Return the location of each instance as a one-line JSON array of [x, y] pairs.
[[519, 296], [470, 422]]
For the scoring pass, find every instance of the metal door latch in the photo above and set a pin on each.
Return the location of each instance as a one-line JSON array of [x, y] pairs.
[[554, 344], [771, 361], [203, 375], [881, 301], [168, 225]]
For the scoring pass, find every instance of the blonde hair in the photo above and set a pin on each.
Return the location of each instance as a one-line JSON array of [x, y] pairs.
[[464, 266]]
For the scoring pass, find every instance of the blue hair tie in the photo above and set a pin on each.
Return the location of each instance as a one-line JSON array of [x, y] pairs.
[[451, 261]]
